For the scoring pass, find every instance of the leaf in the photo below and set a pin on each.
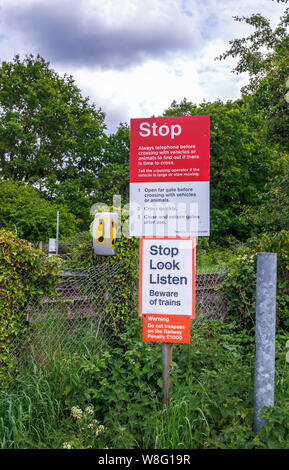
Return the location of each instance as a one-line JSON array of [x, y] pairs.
[[160, 382]]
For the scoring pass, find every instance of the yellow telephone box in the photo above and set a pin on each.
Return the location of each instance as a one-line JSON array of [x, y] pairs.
[[104, 233]]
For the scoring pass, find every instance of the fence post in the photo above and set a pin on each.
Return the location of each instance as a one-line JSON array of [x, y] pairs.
[[264, 375]]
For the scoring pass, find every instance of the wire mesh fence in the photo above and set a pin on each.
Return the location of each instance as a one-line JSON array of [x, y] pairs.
[[77, 312], [210, 298], [83, 305]]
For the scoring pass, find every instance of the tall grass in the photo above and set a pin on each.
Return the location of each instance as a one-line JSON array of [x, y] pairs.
[[30, 412], [176, 426], [34, 412]]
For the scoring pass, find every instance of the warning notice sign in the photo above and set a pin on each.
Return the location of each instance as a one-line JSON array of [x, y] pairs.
[[167, 276], [174, 148], [167, 288], [166, 328], [169, 176]]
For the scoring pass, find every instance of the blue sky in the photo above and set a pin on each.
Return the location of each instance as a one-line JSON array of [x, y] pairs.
[[134, 57]]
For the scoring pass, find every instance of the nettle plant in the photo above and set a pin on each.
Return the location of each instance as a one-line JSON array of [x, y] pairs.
[[25, 273]]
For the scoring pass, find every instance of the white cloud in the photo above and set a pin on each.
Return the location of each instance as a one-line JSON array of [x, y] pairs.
[[134, 57]]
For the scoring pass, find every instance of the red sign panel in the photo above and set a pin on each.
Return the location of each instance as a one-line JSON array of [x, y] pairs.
[[172, 148], [166, 328]]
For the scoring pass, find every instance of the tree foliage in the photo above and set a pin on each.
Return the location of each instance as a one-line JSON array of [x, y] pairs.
[[49, 133], [264, 55], [241, 161], [113, 177], [118, 145], [23, 210], [271, 213]]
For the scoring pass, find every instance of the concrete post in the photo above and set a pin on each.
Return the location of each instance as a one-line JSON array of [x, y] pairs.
[[264, 378]]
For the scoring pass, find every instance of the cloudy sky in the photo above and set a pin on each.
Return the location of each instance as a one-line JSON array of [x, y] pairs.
[[134, 57]]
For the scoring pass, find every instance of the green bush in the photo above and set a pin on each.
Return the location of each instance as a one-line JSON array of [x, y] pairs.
[[275, 432], [25, 273], [211, 397], [212, 382], [23, 209], [123, 384], [240, 283]]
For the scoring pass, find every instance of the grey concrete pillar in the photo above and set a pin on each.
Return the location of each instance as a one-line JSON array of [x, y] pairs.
[[264, 379]]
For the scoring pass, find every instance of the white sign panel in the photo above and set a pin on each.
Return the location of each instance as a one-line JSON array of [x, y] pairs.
[[167, 276], [52, 245], [166, 209]]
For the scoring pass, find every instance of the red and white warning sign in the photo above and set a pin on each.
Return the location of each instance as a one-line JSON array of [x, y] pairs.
[[167, 288], [166, 328], [169, 176]]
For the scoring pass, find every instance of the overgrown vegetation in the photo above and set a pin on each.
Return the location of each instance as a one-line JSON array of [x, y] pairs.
[[240, 283], [211, 398], [55, 155], [25, 273]]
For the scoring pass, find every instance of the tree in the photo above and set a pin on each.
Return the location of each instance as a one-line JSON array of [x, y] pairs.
[[49, 133], [113, 179], [271, 213], [264, 55], [23, 210], [241, 162], [117, 146]]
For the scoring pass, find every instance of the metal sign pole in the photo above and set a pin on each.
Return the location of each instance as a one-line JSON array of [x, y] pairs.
[[167, 350], [57, 232]]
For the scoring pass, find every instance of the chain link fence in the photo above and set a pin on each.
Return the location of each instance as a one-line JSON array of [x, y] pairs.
[[210, 298], [83, 306], [78, 312]]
